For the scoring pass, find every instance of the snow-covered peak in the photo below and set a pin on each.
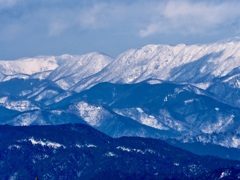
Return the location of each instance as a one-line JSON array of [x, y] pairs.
[[39, 66], [27, 66], [182, 63], [78, 68], [56, 68]]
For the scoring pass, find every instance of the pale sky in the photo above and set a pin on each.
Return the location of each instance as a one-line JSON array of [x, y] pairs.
[[55, 27]]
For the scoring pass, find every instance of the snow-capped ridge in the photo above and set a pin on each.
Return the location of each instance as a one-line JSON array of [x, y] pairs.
[[197, 63], [78, 68], [65, 69]]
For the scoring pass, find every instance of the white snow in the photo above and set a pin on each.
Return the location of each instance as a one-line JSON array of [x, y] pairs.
[[78, 68], [191, 63], [86, 145], [27, 66], [3, 100], [189, 101], [58, 112], [22, 106], [235, 142], [50, 144], [134, 150], [155, 63], [36, 91], [225, 140], [123, 148], [154, 81], [91, 145], [110, 154], [25, 92], [204, 85], [224, 174], [62, 96], [233, 81], [139, 115], [219, 125], [46, 94], [65, 70], [14, 147], [26, 119], [93, 115]]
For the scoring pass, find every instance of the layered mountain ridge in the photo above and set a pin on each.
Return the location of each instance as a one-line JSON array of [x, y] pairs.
[[188, 93]]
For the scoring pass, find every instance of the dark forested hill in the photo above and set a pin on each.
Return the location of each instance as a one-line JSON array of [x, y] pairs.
[[77, 151]]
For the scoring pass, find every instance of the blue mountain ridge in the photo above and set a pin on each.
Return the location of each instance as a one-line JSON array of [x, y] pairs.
[[193, 109], [77, 151]]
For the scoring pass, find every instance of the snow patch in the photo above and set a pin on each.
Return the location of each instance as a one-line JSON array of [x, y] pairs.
[[189, 101], [110, 154], [224, 174], [123, 148], [135, 150], [139, 115], [21, 106], [50, 144], [25, 119], [203, 85], [93, 115], [86, 145], [47, 94], [3, 100], [14, 147]]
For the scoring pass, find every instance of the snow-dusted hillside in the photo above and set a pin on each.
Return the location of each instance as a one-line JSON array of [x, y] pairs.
[[23, 68], [198, 64], [77, 68], [65, 70]]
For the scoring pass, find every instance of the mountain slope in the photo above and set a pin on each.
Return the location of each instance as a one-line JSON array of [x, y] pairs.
[[143, 109], [192, 110], [197, 64], [81, 152], [26, 67], [78, 68], [55, 68]]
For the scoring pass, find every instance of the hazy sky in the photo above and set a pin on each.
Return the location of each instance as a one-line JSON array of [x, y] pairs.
[[55, 27]]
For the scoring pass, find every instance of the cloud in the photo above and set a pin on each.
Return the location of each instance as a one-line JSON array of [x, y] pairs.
[[7, 3], [93, 17], [146, 18], [151, 29], [10, 4], [190, 17], [57, 28], [100, 15]]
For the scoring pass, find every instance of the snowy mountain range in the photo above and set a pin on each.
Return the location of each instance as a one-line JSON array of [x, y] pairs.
[[188, 93]]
